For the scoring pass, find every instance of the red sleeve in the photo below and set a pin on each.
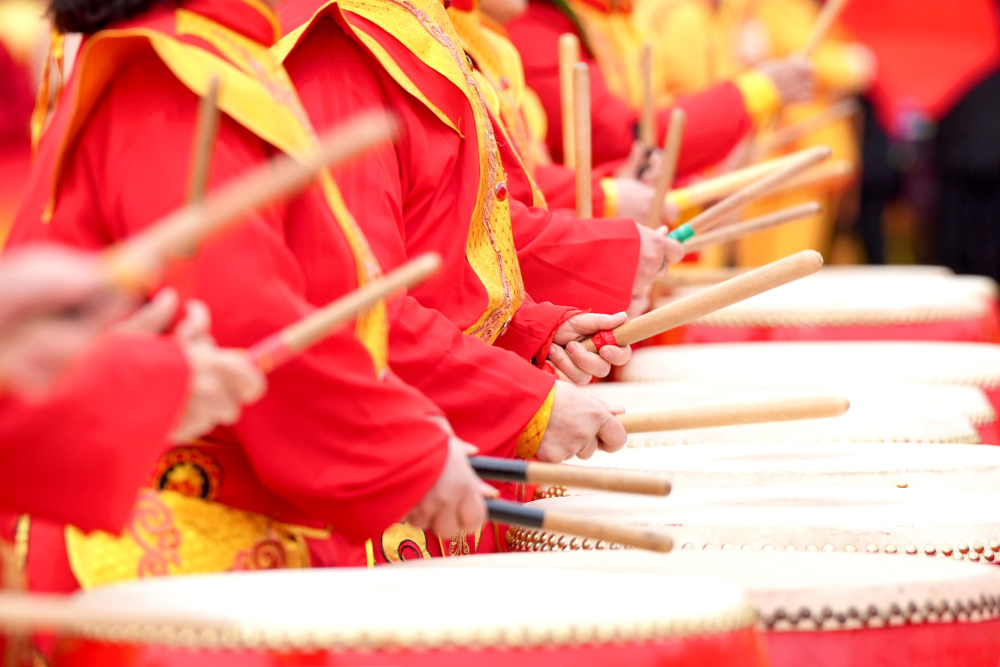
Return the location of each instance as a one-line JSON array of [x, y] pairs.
[[717, 118], [328, 437], [558, 184], [80, 454], [488, 394], [585, 263]]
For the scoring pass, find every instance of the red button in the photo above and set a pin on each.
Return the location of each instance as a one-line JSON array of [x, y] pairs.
[[501, 190]]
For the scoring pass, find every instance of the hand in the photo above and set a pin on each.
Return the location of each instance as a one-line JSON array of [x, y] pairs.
[[53, 302], [635, 199], [222, 381], [572, 359], [795, 78], [154, 317], [656, 252], [455, 502], [579, 425]]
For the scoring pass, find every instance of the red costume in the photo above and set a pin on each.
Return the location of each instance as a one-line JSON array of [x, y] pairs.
[[96, 433], [338, 443], [716, 118]]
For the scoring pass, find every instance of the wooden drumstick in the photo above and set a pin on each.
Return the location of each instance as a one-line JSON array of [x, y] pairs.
[[741, 229], [710, 299], [766, 185], [790, 133], [824, 22], [501, 511], [647, 128], [283, 346], [668, 166], [581, 128], [136, 264], [712, 189], [569, 56], [206, 130], [758, 412], [532, 472]]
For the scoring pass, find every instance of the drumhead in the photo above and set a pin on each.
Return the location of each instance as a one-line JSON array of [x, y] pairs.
[[915, 466], [388, 608], [975, 364], [852, 298], [795, 591], [911, 521]]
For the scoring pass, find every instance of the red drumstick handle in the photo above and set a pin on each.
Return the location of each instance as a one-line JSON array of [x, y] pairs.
[[282, 346]]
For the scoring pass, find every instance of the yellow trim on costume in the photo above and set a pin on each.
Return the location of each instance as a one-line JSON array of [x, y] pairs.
[[369, 554], [610, 190], [531, 438], [760, 96], [681, 200]]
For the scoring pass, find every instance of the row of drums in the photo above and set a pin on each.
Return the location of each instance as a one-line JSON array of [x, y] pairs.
[[867, 539]]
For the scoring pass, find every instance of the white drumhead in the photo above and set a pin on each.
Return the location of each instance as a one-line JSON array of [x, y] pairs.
[[914, 466], [390, 607], [855, 298], [843, 591], [810, 519], [879, 413], [975, 364]]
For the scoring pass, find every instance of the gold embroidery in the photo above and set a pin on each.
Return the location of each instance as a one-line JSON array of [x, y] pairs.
[[401, 542], [490, 245], [170, 534], [531, 438]]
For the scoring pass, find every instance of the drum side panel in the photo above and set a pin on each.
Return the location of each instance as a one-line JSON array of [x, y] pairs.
[[735, 649], [904, 646]]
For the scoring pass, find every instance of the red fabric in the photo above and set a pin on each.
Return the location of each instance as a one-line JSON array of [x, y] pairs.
[[716, 118], [743, 648], [602, 338], [932, 644], [80, 454], [329, 442], [405, 198], [929, 53]]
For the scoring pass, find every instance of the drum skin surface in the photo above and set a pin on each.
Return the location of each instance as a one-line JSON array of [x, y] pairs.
[[879, 304], [831, 610], [401, 616]]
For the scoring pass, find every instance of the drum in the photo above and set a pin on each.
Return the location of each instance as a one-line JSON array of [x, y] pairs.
[[828, 610], [914, 466], [753, 364], [879, 412], [403, 616], [956, 524], [876, 304]]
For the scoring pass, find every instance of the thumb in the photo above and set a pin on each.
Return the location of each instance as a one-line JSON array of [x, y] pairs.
[[196, 323], [155, 316]]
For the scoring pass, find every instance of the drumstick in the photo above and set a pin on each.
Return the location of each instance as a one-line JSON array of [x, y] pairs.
[[283, 346], [668, 166], [501, 511], [710, 299], [824, 22], [204, 144], [581, 127], [135, 264], [715, 214], [569, 56], [741, 229], [795, 131], [713, 189], [758, 412], [531, 472], [647, 130]]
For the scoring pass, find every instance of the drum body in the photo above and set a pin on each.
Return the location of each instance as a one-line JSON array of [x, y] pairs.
[[844, 304], [968, 364], [955, 524], [880, 412], [887, 466], [401, 616], [831, 610]]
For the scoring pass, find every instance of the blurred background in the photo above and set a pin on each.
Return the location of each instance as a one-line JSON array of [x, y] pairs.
[[927, 137]]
